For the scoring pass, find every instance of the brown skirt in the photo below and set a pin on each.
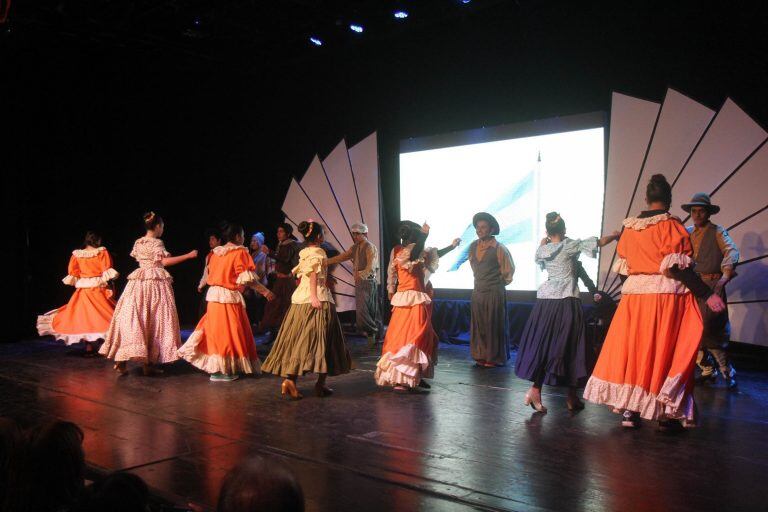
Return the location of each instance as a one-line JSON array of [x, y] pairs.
[[310, 340], [275, 310]]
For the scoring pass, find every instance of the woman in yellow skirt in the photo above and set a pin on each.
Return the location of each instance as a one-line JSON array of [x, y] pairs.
[[310, 338]]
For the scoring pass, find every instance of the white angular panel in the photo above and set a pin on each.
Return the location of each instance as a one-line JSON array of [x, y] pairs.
[[751, 283], [297, 207], [339, 173], [682, 122], [365, 168], [632, 122], [731, 138], [315, 184], [745, 192], [749, 323]]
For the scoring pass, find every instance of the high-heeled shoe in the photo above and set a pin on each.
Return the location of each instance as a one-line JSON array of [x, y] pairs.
[[288, 389], [120, 368], [323, 390], [536, 406], [574, 404]]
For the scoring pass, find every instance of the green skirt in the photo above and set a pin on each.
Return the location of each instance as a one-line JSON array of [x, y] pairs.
[[310, 340]]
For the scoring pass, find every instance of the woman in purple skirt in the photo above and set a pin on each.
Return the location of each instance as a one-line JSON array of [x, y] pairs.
[[553, 349]]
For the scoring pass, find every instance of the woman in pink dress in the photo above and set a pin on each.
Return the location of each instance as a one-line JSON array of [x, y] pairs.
[[145, 326]]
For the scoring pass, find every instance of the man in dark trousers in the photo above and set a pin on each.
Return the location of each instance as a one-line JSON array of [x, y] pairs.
[[716, 256]]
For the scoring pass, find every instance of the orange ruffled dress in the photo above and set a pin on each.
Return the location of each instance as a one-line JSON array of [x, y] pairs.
[[646, 364], [89, 311], [410, 345], [223, 341]]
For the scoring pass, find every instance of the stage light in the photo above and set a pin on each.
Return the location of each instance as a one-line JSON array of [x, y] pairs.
[[356, 28], [196, 22], [401, 15], [316, 41], [465, 1]]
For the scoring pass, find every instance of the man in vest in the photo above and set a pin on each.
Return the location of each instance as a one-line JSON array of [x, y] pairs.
[[365, 259], [716, 256]]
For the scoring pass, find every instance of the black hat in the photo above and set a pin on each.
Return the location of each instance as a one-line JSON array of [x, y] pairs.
[[490, 219], [701, 199]]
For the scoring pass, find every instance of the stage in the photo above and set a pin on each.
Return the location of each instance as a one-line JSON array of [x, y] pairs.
[[469, 444]]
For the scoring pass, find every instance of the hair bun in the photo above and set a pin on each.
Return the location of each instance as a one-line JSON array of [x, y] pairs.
[[149, 216], [553, 217], [659, 178], [304, 227]]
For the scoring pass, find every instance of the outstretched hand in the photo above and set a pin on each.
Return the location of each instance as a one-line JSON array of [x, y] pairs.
[[716, 304], [425, 228], [456, 242], [192, 254]]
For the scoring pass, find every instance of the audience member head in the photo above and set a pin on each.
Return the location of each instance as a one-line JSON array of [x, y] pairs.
[[12, 444], [258, 485], [56, 465], [119, 492]]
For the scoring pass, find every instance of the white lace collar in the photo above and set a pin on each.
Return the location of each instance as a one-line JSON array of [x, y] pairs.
[[221, 250], [639, 224], [87, 253]]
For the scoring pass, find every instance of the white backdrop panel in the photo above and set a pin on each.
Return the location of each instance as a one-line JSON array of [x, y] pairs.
[[751, 237], [730, 139], [749, 323], [316, 186], [741, 195], [632, 122], [682, 122], [365, 166], [298, 207], [339, 172]]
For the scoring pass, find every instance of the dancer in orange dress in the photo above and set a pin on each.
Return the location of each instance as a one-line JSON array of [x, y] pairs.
[[410, 345], [222, 343], [145, 326], [645, 368], [87, 315]]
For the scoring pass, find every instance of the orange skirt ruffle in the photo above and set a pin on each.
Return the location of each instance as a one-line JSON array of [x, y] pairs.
[[647, 361], [85, 317], [410, 347], [222, 342]]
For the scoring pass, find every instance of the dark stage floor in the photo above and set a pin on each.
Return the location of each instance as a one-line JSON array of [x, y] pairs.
[[468, 444]]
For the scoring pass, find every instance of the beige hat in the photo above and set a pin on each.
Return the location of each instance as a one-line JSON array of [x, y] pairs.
[[359, 227]]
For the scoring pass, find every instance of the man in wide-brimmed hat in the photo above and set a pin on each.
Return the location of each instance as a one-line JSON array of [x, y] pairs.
[[493, 269], [365, 260], [715, 255]]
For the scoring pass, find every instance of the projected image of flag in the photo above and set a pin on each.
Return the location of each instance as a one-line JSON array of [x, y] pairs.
[[517, 180], [516, 223]]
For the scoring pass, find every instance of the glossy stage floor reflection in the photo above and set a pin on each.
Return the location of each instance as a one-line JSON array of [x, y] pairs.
[[468, 444]]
